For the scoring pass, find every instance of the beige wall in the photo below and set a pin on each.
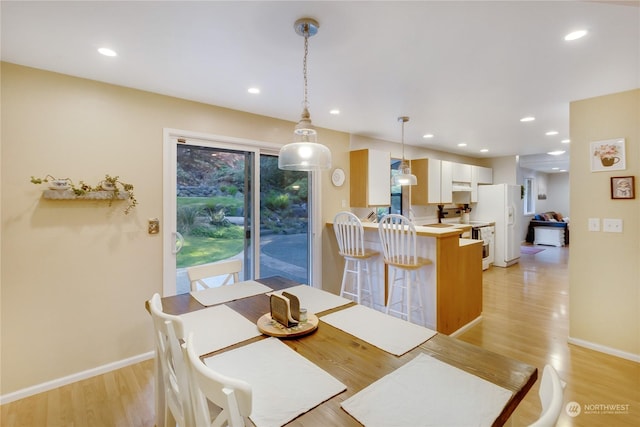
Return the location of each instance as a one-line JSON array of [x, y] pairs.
[[75, 275], [605, 267]]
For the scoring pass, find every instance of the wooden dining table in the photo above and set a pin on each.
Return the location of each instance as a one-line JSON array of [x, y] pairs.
[[357, 364]]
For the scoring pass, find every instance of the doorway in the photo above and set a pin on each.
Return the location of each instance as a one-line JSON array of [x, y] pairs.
[[225, 200]]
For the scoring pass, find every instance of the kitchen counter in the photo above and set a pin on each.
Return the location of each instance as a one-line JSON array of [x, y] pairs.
[[453, 290]]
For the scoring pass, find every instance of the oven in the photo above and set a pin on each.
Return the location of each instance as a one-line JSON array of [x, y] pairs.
[[486, 233]]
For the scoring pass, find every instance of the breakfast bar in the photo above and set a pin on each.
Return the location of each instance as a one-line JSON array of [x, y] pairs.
[[453, 291]]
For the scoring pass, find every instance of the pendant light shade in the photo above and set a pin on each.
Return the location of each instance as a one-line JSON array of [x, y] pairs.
[[404, 177], [305, 153]]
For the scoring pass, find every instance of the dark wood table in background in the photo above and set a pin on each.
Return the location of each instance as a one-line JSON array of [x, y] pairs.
[[357, 363]]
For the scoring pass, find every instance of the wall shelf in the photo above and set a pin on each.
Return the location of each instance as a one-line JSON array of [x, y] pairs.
[[91, 195]]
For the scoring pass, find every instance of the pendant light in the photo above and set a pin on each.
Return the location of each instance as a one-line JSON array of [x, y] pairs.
[[404, 177], [305, 154]]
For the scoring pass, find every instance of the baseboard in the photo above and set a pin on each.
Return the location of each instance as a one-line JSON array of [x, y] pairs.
[[59, 382], [604, 349], [466, 327]]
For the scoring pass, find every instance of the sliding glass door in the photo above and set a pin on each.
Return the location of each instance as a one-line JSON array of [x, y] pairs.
[[227, 201]]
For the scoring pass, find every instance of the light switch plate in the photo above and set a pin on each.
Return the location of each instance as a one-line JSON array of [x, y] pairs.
[[612, 225], [154, 226], [594, 224]]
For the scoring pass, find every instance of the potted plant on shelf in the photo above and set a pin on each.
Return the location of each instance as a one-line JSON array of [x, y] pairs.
[[112, 185]]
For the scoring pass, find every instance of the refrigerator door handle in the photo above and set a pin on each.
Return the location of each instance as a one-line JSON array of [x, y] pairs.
[[510, 215]]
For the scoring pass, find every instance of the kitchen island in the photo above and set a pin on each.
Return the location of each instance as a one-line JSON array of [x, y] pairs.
[[453, 290]]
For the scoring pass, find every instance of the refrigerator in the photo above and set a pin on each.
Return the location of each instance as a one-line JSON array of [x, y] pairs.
[[502, 204]]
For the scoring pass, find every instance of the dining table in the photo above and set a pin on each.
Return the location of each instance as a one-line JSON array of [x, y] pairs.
[[358, 364]]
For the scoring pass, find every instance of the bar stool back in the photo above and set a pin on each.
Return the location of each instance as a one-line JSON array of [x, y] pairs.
[[350, 236], [398, 238]]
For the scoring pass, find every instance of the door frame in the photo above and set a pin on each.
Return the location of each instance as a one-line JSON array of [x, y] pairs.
[[169, 183]]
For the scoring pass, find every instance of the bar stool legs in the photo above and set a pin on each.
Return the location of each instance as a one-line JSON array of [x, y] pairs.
[[356, 268], [409, 285]]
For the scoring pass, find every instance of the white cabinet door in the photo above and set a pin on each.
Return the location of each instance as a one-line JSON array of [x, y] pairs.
[[433, 181], [446, 182], [379, 181], [479, 175], [461, 172]]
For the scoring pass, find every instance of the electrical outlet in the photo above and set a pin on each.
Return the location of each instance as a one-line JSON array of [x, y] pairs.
[[594, 224], [612, 225]]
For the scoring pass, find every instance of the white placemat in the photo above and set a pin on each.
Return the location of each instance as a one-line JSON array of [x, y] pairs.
[[284, 384], [222, 294], [393, 335], [316, 300], [428, 392], [218, 327]]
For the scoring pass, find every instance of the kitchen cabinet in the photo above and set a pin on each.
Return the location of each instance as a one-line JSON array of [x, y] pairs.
[[370, 178], [461, 172], [435, 182], [479, 175]]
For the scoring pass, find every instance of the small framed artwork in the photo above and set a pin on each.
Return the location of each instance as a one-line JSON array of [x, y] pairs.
[[607, 155], [623, 187]]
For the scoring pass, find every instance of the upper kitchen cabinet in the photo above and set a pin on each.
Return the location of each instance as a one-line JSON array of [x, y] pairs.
[[479, 175], [461, 172], [370, 178], [435, 179]]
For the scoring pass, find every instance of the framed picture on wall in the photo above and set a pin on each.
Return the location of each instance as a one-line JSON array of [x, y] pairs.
[[623, 187], [607, 155]]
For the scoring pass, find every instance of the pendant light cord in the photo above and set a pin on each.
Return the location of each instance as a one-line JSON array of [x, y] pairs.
[[304, 64], [403, 142]]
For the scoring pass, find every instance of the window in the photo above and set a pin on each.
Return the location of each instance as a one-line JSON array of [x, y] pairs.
[[529, 200]]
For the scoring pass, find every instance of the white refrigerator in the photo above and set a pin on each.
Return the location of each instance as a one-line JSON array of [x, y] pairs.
[[502, 204]]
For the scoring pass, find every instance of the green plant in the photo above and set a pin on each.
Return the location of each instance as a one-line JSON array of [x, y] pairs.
[[110, 183], [186, 218]]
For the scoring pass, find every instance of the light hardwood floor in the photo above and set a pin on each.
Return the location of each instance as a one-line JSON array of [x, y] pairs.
[[525, 317]]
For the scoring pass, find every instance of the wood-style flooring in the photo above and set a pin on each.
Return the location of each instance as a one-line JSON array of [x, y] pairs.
[[525, 317]]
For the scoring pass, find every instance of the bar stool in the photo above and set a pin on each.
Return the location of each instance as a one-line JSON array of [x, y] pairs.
[[350, 237], [398, 238]]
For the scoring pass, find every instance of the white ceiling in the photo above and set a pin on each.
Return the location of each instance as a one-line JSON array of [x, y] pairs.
[[464, 71]]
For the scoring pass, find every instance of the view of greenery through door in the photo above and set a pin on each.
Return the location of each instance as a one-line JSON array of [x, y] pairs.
[[214, 215]]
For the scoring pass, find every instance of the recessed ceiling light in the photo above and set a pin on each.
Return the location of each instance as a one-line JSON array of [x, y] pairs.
[[575, 35], [428, 135], [254, 90], [556, 153], [484, 150], [566, 141], [335, 111], [551, 133], [527, 119], [462, 144], [555, 169], [107, 52], [563, 170]]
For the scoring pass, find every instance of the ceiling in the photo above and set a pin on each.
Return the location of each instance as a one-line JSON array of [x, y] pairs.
[[463, 71]]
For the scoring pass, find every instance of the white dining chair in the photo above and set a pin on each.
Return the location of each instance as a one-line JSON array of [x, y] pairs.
[[551, 397], [350, 236], [399, 247], [173, 381], [229, 269], [232, 395]]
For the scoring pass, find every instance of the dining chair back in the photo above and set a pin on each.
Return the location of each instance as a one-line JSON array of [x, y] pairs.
[[399, 247], [228, 269], [172, 366], [551, 397], [350, 236], [233, 395]]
